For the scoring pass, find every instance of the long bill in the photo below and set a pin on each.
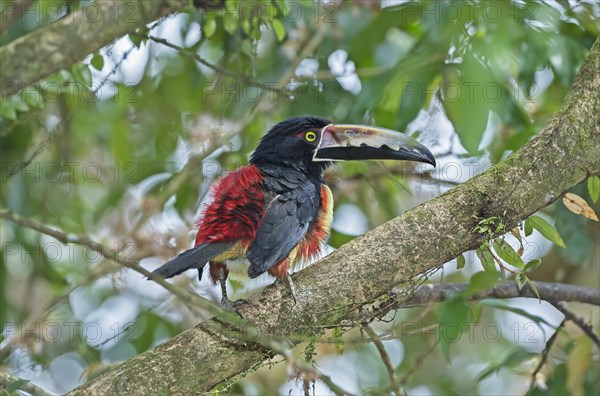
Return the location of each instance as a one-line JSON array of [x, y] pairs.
[[363, 142]]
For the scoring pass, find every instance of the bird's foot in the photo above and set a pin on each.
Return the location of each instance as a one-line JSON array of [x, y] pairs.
[[226, 303], [232, 306], [290, 284]]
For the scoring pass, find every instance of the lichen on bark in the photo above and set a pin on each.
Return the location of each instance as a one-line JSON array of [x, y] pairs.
[[564, 154]]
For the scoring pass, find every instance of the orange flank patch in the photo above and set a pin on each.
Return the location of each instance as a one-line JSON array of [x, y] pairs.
[[214, 271], [280, 270], [319, 232]]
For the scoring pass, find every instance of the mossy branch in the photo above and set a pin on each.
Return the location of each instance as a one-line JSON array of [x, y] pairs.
[[32, 57], [562, 155]]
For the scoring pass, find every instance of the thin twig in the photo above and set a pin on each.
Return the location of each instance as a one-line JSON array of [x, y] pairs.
[[544, 355], [499, 262], [419, 360], [177, 181], [384, 357], [113, 255], [180, 179], [44, 144], [41, 147], [334, 388], [219, 69], [228, 319], [171, 188], [115, 68], [580, 322]]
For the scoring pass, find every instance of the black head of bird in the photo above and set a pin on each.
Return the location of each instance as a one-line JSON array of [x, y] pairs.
[[311, 143]]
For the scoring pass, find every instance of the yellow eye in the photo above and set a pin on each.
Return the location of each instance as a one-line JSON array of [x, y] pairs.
[[310, 136]]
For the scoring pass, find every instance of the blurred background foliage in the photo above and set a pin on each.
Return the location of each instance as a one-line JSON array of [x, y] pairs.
[[123, 146]]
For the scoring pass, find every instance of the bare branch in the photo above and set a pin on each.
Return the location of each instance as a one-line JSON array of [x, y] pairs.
[[580, 322], [231, 324], [191, 299], [551, 292], [219, 69], [384, 357], [544, 355]]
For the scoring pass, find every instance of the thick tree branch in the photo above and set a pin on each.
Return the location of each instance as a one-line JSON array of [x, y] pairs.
[[32, 57], [564, 154], [219, 69]]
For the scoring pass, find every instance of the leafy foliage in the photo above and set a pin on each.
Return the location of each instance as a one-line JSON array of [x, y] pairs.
[[123, 146]]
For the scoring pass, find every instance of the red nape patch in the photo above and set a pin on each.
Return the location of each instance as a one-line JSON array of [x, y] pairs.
[[237, 205]]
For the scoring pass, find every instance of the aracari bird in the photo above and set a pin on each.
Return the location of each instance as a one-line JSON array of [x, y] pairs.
[[278, 210]]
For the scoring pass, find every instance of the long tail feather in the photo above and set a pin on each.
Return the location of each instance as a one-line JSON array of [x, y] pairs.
[[196, 257]]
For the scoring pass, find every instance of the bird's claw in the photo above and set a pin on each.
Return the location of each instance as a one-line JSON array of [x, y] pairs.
[[290, 284], [233, 306]]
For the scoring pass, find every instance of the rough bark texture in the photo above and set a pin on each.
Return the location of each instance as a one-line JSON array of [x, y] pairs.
[[564, 154], [32, 57]]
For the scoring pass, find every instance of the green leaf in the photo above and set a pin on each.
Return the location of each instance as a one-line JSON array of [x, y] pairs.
[[136, 39], [535, 290], [594, 187], [13, 387], [236, 284], [521, 279], [453, 316], [487, 261], [511, 359], [480, 282], [507, 253], [499, 304], [97, 61], [8, 111], [467, 102], [210, 27], [279, 30], [34, 98], [20, 105], [246, 27], [229, 22], [578, 364], [547, 230], [338, 342], [460, 262], [476, 311], [532, 265], [528, 227]]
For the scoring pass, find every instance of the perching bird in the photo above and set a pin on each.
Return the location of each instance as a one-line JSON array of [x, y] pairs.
[[278, 210]]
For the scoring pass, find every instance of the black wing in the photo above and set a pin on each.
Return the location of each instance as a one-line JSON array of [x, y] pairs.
[[284, 224], [195, 257]]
